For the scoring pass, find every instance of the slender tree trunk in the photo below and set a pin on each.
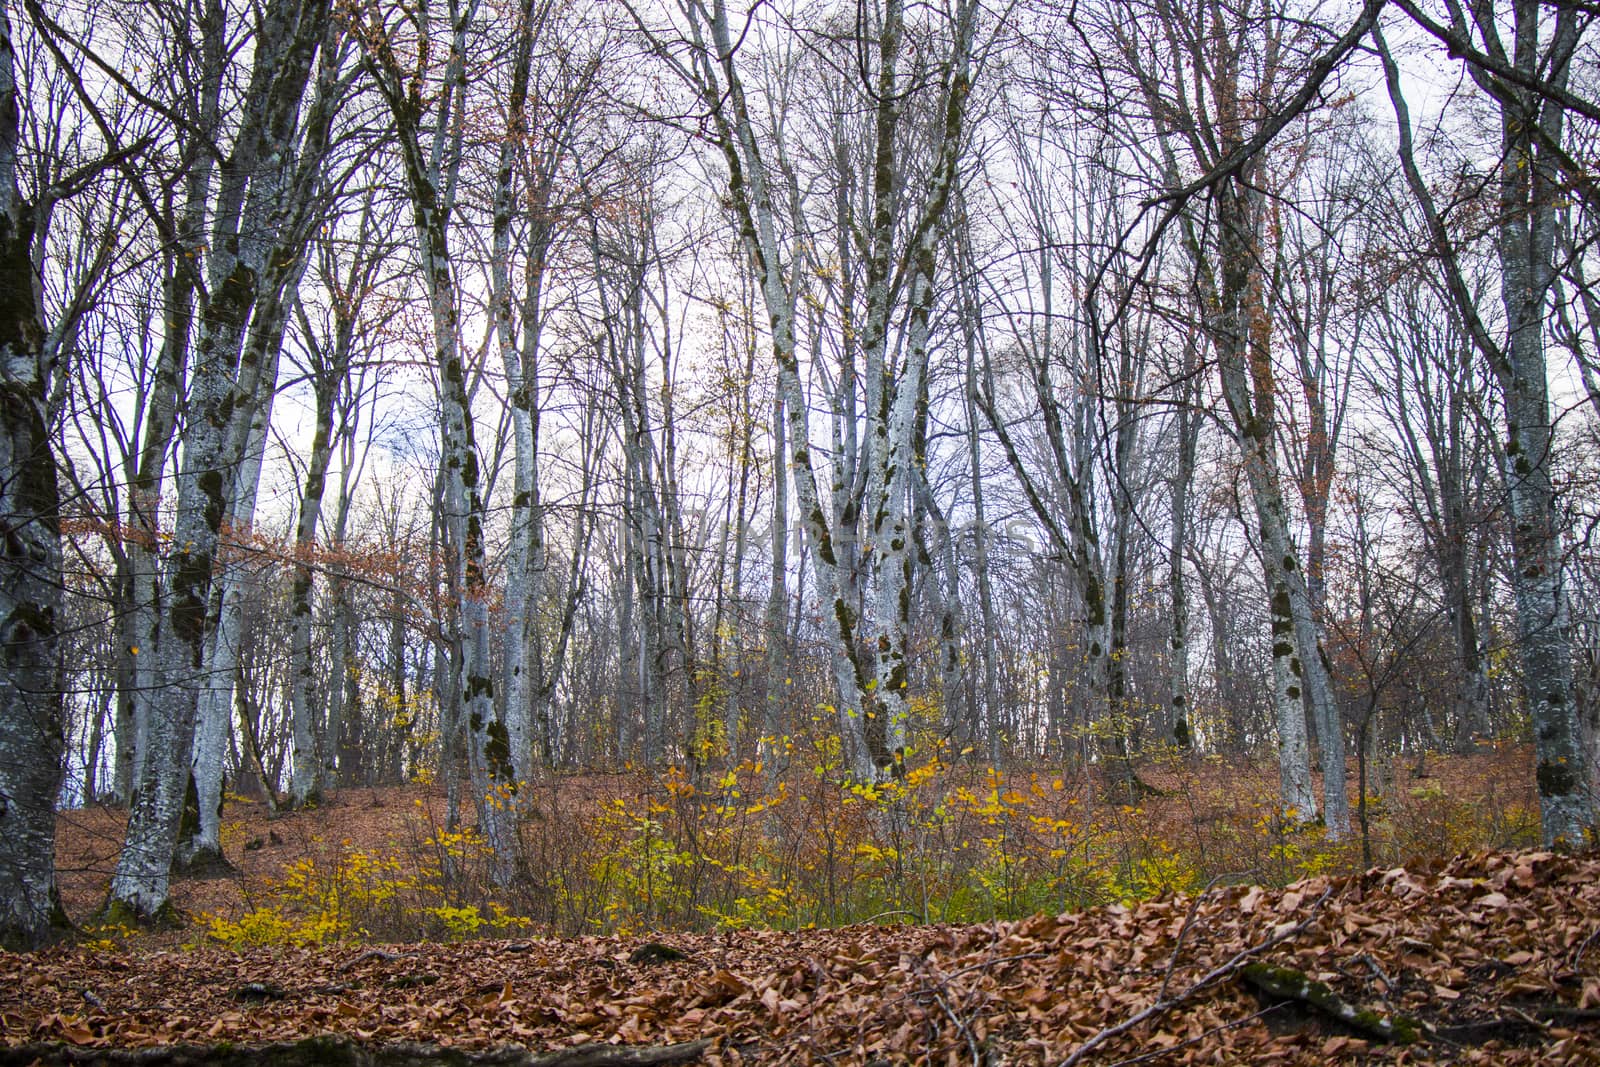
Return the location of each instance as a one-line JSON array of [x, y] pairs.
[[1240, 330], [526, 561], [306, 781], [714, 75], [775, 623], [1240, 327], [345, 759], [626, 699], [548, 671], [394, 770], [430, 184], [726, 633], [971, 324], [215, 712], [1282, 574], [1188, 426], [141, 610]]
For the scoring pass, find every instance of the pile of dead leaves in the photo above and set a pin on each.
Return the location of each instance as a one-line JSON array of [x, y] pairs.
[[1491, 959]]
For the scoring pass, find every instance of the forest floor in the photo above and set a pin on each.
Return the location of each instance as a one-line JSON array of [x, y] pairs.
[[1492, 957]]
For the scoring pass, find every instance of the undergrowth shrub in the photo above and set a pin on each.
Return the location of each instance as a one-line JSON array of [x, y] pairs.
[[1428, 821], [790, 841], [951, 841], [432, 888]]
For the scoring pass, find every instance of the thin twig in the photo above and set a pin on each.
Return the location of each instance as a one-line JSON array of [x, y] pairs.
[[1183, 932], [1377, 972], [376, 954], [961, 1027], [885, 914], [1538, 1024], [1577, 955]]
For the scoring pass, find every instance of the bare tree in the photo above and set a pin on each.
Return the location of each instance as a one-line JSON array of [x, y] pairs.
[[1522, 61], [896, 242], [428, 112], [1236, 77]]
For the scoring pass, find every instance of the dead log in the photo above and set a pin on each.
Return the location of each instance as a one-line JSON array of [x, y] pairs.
[[1289, 984]]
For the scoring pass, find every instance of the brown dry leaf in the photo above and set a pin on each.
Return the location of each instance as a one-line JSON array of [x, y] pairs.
[[1250, 901], [1033, 991]]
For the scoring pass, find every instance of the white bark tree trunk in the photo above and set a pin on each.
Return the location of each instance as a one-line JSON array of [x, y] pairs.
[[870, 694], [1531, 194], [259, 224], [306, 781], [430, 186], [31, 723], [214, 716]]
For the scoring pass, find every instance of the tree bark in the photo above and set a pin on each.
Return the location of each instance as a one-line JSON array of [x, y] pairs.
[[431, 190], [1530, 198], [306, 780], [31, 722], [214, 715], [269, 182]]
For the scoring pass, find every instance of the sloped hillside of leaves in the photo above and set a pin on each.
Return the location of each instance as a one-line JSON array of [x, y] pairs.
[[1491, 959]]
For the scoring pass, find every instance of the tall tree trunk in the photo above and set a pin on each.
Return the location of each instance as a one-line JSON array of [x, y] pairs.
[[141, 610], [31, 724], [1257, 443], [345, 758], [1240, 327], [141, 615], [1179, 702], [272, 173], [536, 157], [775, 622], [971, 321], [878, 698], [726, 634], [1531, 193], [548, 669], [430, 185]]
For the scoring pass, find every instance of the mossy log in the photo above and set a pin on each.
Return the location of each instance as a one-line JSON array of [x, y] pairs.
[[656, 952], [1290, 984], [331, 1051]]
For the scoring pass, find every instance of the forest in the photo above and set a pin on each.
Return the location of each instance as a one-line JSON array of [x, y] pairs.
[[482, 394]]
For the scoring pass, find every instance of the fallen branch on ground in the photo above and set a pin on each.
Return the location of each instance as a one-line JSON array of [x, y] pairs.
[[1164, 1004], [1289, 984]]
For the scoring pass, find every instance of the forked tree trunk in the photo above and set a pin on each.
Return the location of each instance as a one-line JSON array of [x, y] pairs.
[[259, 226]]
